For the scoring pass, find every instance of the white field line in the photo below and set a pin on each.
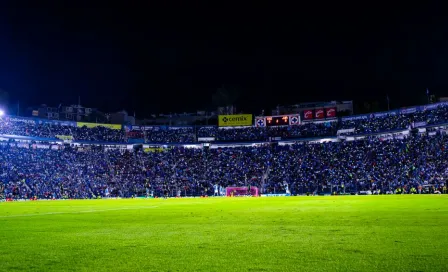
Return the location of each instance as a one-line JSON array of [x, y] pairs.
[[76, 212]]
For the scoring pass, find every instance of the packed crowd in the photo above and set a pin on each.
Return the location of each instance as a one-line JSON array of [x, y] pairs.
[[409, 165], [53, 131], [307, 130], [31, 129], [390, 122], [379, 122], [370, 164], [163, 134], [97, 134]]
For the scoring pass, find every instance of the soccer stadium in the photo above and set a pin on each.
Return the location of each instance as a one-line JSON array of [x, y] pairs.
[[186, 136], [357, 193]]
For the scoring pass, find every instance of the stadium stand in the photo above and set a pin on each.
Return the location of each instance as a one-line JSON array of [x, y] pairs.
[[355, 125], [49, 171], [364, 124], [34, 162], [97, 134]]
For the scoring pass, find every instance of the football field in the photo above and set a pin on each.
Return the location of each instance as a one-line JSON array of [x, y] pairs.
[[338, 233]]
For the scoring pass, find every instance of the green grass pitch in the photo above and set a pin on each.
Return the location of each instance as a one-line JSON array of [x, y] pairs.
[[342, 233]]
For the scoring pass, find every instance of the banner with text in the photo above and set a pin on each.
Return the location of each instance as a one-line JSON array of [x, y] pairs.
[[206, 139], [153, 149], [93, 125], [65, 137], [235, 120], [36, 121]]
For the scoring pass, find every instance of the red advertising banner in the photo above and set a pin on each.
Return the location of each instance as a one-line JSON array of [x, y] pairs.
[[308, 115], [330, 112], [319, 114]]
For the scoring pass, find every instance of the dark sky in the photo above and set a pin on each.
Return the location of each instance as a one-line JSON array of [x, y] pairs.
[[161, 59]]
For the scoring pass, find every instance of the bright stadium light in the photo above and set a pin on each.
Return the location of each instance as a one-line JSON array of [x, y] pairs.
[[2, 112]]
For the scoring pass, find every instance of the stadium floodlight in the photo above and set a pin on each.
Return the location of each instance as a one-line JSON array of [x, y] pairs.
[[2, 112]]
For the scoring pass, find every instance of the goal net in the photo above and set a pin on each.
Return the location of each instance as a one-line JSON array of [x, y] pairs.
[[241, 191]]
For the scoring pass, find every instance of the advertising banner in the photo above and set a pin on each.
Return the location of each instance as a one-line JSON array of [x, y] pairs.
[[146, 128], [177, 128], [419, 124], [93, 125], [330, 112], [206, 139], [36, 121], [383, 114], [319, 114], [348, 130], [132, 128], [56, 122], [153, 149], [356, 117], [235, 120], [65, 137], [430, 107], [308, 115], [408, 110], [274, 195], [21, 120]]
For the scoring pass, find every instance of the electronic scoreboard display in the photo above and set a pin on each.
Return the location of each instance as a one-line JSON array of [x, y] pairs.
[[277, 121]]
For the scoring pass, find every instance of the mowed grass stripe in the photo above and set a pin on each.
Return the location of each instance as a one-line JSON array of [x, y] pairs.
[[75, 212], [350, 233]]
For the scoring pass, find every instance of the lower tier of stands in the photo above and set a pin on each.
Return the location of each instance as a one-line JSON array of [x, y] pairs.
[[412, 163]]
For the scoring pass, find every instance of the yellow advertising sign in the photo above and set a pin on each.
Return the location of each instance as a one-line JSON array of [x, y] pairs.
[[93, 125], [65, 137], [153, 149], [235, 120]]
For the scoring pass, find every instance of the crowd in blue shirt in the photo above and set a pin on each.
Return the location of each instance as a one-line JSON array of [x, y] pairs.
[[414, 164], [162, 135], [396, 121]]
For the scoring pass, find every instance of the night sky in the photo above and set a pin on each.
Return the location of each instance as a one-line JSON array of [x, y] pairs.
[[172, 59]]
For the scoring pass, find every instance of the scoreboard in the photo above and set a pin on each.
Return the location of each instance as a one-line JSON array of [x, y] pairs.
[[280, 120], [277, 121]]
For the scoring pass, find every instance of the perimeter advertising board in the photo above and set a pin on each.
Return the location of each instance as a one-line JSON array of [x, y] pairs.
[[93, 125]]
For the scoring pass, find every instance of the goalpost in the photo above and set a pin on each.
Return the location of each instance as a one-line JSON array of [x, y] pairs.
[[242, 191]]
